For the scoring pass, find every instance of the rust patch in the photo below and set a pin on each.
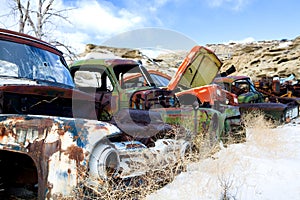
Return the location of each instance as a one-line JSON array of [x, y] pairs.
[[75, 153], [40, 153], [61, 132], [102, 127], [3, 132]]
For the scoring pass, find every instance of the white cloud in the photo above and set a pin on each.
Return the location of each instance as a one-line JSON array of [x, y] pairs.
[[231, 4], [99, 18], [92, 21]]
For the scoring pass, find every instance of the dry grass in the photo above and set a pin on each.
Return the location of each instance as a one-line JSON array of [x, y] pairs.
[[261, 132], [226, 184], [264, 135], [130, 188], [140, 187], [257, 120]]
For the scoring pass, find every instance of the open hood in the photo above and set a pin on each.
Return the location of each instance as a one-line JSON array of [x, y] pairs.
[[198, 68]]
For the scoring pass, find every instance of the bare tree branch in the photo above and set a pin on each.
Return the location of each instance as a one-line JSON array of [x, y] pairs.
[[58, 14], [38, 18], [70, 53], [23, 16]]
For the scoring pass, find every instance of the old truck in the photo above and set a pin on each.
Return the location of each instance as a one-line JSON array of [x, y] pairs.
[[54, 137], [121, 84], [51, 137], [205, 95], [250, 99], [279, 87]]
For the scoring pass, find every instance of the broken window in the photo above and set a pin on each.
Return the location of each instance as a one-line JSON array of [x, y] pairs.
[[93, 79], [29, 62]]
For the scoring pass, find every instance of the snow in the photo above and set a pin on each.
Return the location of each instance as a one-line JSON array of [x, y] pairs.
[[285, 44], [266, 166]]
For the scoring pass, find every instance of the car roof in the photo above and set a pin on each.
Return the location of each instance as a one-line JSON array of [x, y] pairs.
[[22, 38], [229, 79], [104, 62]]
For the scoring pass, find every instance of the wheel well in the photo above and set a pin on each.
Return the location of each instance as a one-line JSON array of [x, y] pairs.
[[18, 176], [188, 99]]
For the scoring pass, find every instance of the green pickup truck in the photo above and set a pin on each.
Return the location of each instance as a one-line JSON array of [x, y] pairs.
[[124, 88]]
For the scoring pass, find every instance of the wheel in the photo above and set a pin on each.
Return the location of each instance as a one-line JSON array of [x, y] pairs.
[[104, 162]]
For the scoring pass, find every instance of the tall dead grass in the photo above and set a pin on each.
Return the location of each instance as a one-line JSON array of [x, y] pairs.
[[141, 186], [129, 188], [256, 127], [262, 133]]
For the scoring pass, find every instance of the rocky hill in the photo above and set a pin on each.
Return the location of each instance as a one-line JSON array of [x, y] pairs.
[[265, 58], [256, 59]]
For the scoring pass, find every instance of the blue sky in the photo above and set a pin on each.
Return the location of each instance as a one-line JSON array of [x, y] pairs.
[[202, 21]]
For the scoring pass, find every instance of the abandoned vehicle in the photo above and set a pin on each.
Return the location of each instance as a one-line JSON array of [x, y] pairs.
[[250, 99], [55, 136]]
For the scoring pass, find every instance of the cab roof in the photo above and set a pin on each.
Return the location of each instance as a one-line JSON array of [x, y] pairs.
[[104, 62], [22, 38], [229, 79]]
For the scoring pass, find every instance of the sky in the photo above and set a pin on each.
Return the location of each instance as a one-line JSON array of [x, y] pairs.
[[181, 22]]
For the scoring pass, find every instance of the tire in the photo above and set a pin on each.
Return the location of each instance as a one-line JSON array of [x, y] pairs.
[[104, 162]]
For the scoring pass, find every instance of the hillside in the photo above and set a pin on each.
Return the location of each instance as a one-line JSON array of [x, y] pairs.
[[263, 58], [254, 59]]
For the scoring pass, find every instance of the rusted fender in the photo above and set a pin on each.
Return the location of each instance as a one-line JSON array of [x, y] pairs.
[[211, 120], [60, 147]]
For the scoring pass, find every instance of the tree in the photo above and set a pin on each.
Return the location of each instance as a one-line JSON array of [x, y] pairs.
[[38, 16], [38, 19]]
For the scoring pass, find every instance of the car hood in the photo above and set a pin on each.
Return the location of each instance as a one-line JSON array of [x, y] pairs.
[[198, 68], [42, 91]]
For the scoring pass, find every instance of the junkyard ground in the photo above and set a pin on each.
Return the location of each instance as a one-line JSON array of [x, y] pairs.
[[266, 166]]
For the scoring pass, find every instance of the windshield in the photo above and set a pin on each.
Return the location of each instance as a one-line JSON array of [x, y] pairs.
[[24, 61]]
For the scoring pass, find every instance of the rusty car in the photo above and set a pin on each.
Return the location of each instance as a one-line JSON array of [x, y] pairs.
[[279, 87], [52, 138], [112, 82], [250, 99], [56, 135], [205, 96]]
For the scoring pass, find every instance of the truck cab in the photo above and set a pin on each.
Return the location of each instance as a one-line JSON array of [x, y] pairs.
[[107, 79]]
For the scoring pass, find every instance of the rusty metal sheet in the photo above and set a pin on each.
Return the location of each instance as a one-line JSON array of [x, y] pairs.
[[58, 146]]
